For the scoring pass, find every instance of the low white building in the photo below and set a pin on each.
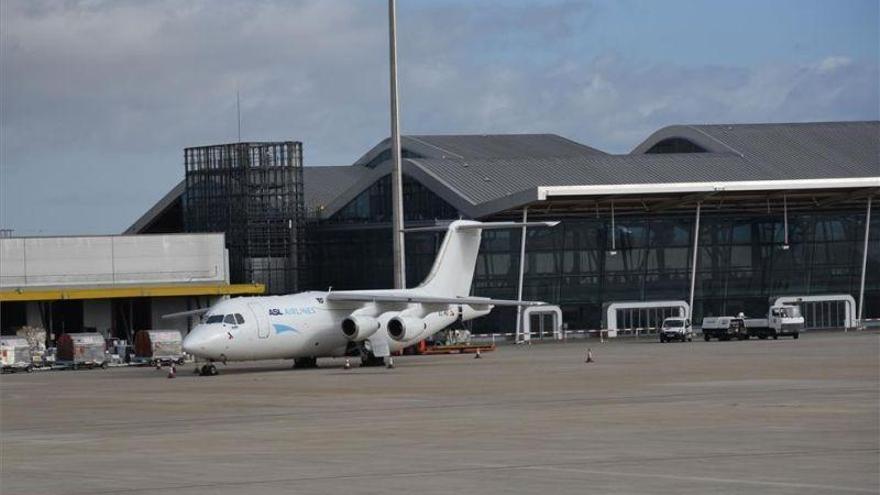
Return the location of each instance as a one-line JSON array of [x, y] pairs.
[[115, 285]]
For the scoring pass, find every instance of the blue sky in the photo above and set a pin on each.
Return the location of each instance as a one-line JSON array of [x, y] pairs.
[[741, 32], [98, 98]]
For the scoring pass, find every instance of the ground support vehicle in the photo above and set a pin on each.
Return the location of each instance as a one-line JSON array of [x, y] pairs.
[[676, 329], [724, 328], [780, 320]]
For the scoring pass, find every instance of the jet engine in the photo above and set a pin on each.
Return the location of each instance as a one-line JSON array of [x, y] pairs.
[[358, 328], [404, 328]]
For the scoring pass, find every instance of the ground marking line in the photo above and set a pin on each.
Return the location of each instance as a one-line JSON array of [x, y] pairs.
[[436, 472], [325, 412], [703, 478]]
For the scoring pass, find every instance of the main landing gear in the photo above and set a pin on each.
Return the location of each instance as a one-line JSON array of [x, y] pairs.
[[207, 370], [369, 360], [306, 363]]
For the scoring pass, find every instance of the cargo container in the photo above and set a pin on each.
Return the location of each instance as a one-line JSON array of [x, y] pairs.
[[158, 346], [16, 354], [82, 349]]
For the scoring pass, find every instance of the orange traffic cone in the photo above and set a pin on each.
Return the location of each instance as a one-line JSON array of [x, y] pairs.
[[347, 364], [589, 356], [172, 372], [477, 355]]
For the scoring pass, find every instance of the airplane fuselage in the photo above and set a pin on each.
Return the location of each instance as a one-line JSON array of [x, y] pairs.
[[304, 325], [310, 325]]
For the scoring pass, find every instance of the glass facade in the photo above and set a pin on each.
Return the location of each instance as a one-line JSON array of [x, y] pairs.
[[374, 204], [353, 249], [741, 263], [741, 260]]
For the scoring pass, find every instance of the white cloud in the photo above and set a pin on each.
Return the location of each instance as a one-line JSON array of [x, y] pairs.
[[99, 98], [830, 64]]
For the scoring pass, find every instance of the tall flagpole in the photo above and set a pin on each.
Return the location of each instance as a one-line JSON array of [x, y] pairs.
[[396, 177]]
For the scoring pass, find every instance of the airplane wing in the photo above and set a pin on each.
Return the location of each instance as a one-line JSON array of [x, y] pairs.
[[366, 296], [185, 314]]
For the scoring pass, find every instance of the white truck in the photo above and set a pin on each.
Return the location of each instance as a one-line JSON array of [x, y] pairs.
[[676, 328], [724, 328], [780, 320]]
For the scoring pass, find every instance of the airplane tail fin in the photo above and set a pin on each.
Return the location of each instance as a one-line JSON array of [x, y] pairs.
[[453, 270]]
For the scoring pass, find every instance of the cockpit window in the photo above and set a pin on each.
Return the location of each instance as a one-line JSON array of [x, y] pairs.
[[229, 319], [239, 318], [214, 319]]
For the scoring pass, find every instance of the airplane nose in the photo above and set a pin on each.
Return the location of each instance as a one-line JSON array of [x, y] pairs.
[[189, 345], [196, 342]]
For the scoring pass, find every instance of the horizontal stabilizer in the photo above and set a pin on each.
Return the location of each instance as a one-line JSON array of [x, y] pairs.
[[378, 296], [482, 226]]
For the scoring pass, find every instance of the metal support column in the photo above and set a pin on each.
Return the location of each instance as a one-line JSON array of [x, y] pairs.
[[694, 263], [864, 264], [613, 232], [396, 176], [785, 221], [520, 335]]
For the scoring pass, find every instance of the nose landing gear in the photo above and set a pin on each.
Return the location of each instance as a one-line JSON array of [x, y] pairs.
[[207, 370]]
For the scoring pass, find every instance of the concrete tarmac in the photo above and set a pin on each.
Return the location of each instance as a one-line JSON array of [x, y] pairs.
[[770, 417]]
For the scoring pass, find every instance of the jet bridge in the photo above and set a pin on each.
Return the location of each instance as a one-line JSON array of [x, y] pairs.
[[634, 316], [544, 321]]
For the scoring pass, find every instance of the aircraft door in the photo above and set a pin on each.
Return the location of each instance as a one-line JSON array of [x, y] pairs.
[[262, 319]]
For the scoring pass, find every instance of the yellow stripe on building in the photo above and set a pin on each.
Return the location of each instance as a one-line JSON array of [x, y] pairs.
[[53, 294]]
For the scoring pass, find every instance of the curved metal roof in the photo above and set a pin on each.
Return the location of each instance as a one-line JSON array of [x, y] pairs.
[[740, 157], [324, 184], [797, 148], [483, 146], [484, 174]]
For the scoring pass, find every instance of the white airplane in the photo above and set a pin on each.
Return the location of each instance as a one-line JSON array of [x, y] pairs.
[[309, 325]]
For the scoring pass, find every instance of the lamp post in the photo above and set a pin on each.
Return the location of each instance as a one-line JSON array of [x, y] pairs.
[[396, 176]]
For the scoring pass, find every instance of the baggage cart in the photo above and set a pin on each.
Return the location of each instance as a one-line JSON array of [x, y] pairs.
[[158, 347], [16, 354], [78, 350]]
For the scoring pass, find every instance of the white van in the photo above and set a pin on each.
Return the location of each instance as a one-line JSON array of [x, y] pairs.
[[676, 328]]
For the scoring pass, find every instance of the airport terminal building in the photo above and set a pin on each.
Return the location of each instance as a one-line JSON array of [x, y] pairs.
[[781, 208], [732, 216]]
